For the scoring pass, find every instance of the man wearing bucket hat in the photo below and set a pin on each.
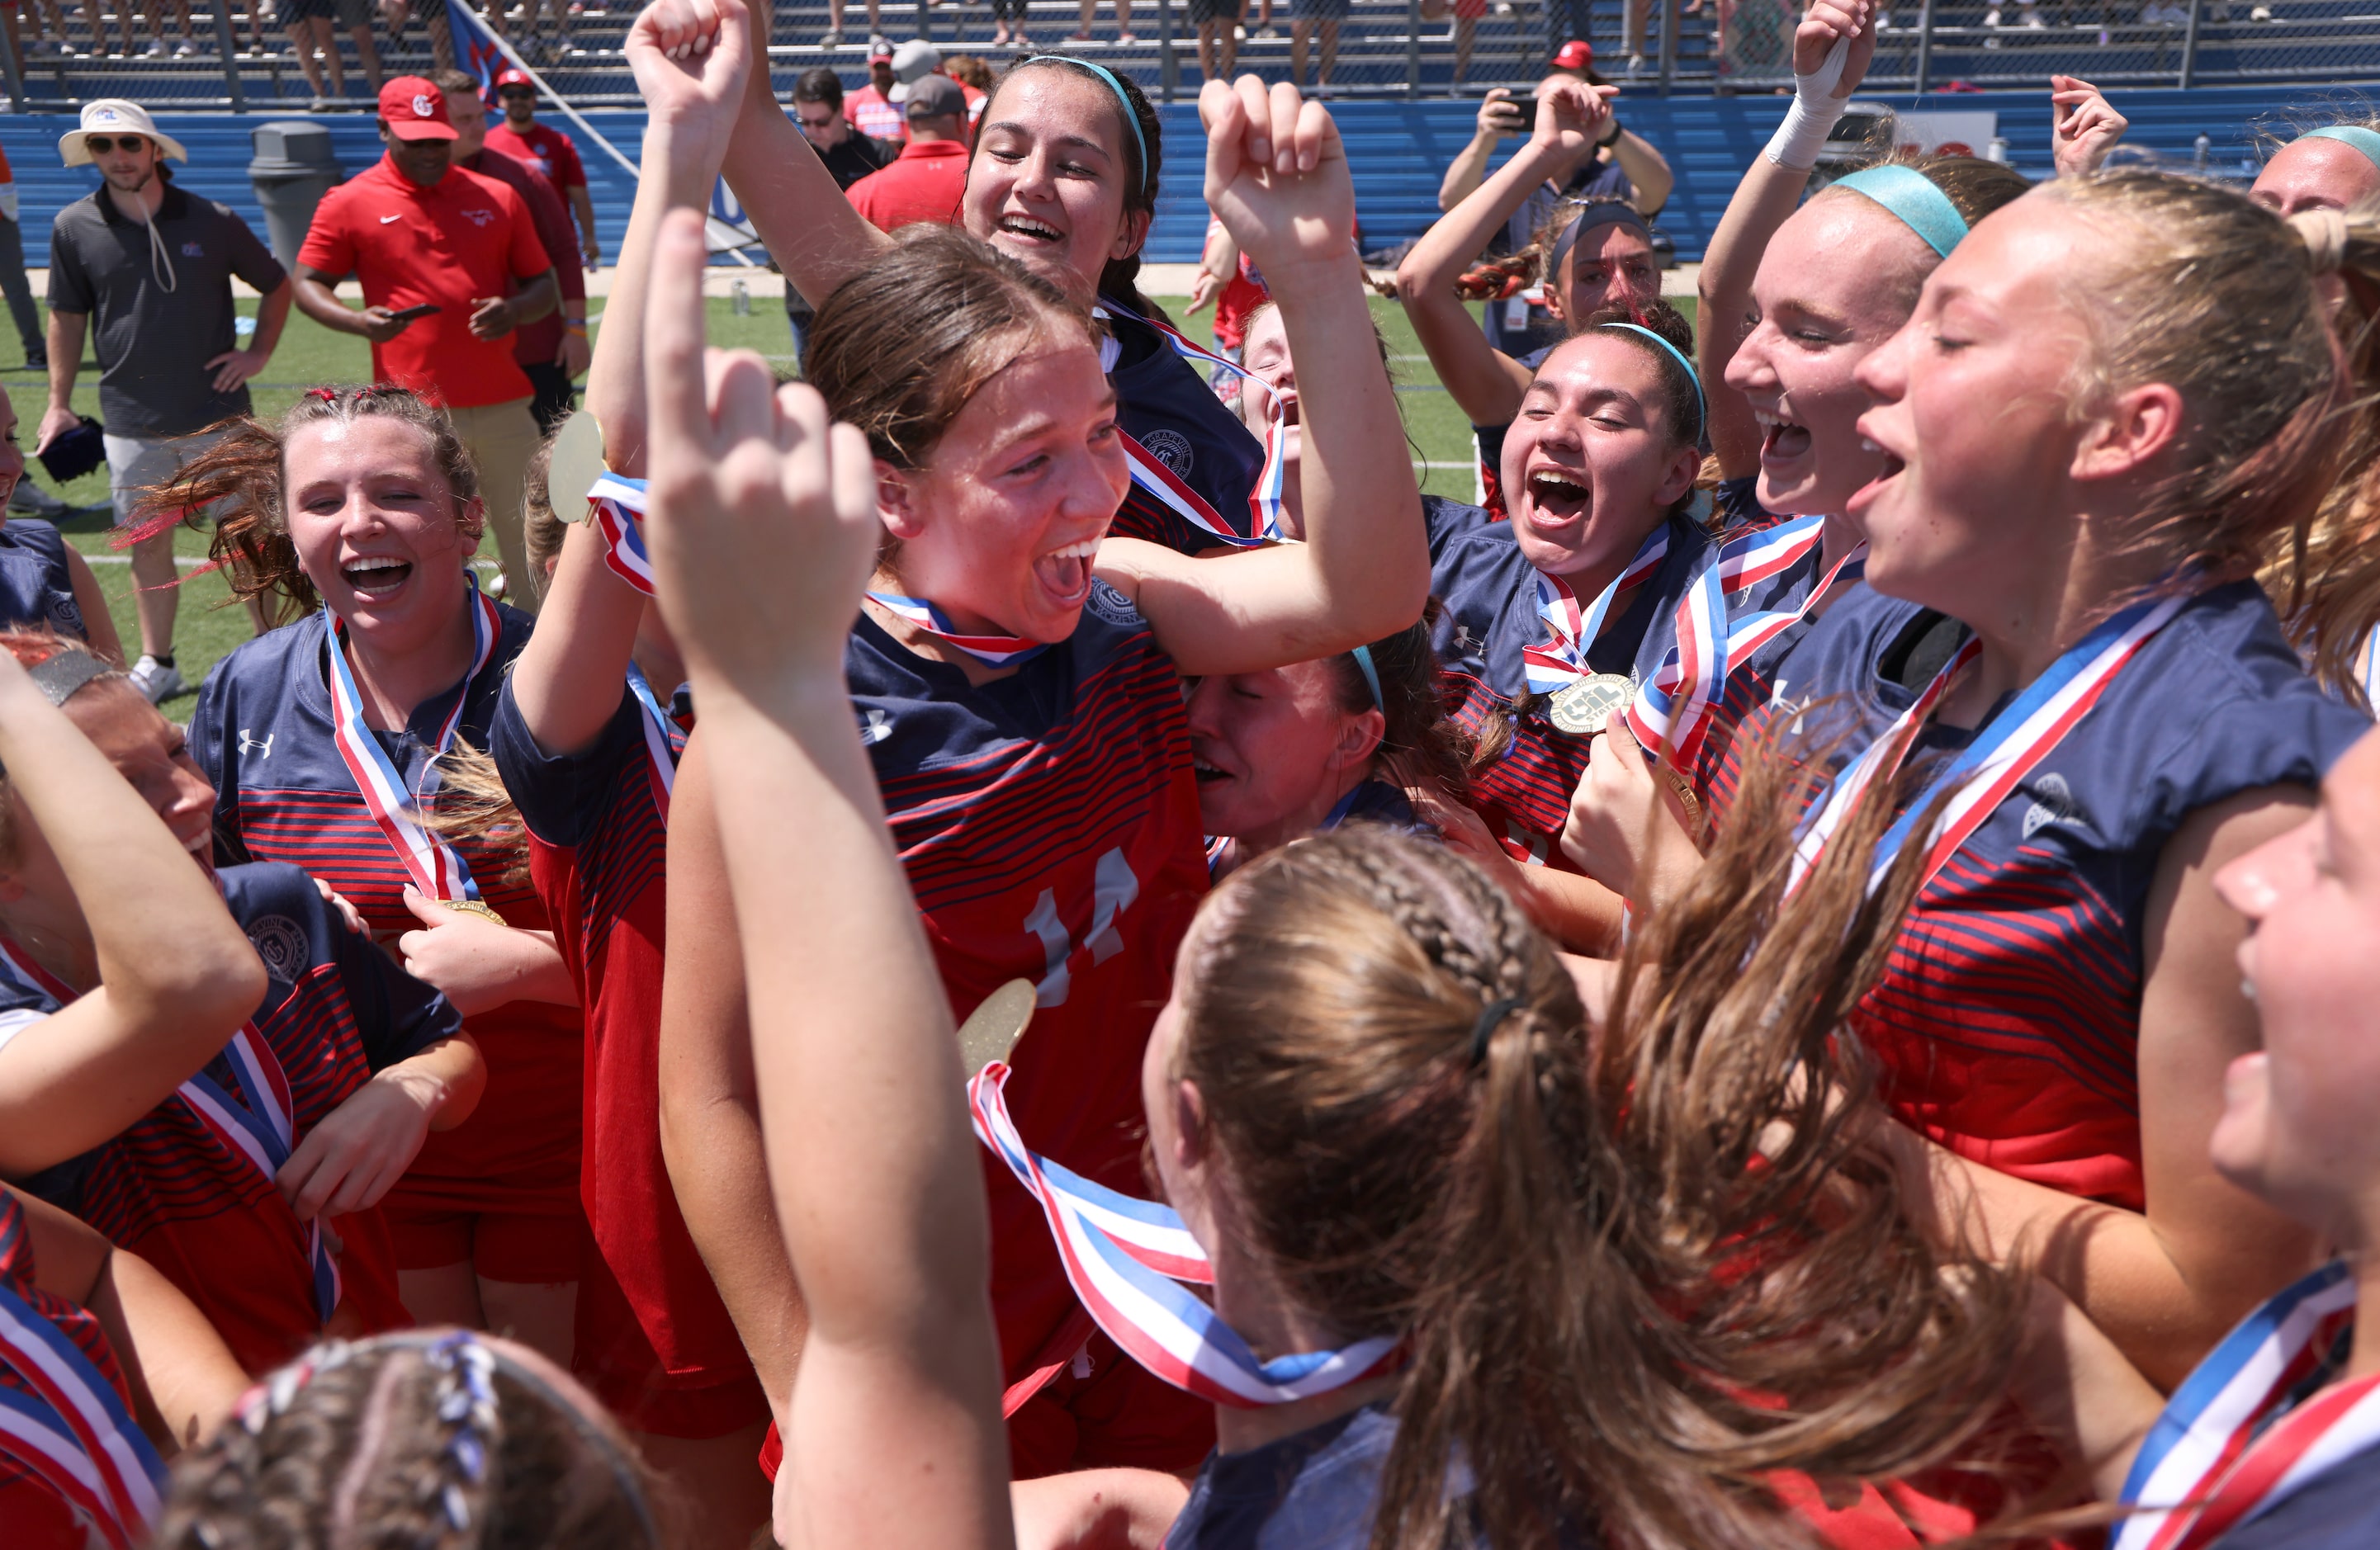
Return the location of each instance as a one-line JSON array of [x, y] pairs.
[[148, 269]]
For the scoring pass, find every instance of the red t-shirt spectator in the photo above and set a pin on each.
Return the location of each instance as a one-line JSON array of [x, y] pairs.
[[548, 150], [874, 115], [539, 341], [463, 238], [924, 183]]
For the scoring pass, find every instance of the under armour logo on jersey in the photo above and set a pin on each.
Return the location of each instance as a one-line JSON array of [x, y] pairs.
[[479, 217], [874, 728], [2053, 803], [1463, 639], [260, 747]]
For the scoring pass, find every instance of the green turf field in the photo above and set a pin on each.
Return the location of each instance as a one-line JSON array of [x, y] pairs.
[[310, 354]]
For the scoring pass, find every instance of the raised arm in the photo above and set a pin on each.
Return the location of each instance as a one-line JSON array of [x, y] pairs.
[[763, 529], [1499, 116], [1484, 383], [177, 976], [1277, 177], [1832, 50]]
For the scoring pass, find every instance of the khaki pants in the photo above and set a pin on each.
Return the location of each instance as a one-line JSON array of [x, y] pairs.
[[502, 437]]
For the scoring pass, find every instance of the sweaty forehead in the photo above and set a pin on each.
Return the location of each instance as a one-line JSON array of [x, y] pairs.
[[2326, 172], [1051, 101], [1597, 360]]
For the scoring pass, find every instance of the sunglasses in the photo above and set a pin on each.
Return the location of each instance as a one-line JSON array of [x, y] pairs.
[[100, 145]]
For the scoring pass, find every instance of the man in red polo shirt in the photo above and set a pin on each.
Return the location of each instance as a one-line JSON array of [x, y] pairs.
[[924, 182], [420, 232]]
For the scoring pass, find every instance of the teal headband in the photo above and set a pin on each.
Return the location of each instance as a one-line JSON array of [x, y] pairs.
[[1912, 197], [2356, 134], [1131, 119], [1702, 410], [1362, 655]]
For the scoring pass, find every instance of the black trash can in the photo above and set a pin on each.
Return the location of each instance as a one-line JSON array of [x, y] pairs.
[[292, 170]]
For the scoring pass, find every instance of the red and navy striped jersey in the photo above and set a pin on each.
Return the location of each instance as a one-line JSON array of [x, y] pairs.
[[598, 848], [1490, 593], [36, 589], [2008, 1020], [32, 1515], [335, 1009], [1163, 404], [262, 731], [1049, 825]]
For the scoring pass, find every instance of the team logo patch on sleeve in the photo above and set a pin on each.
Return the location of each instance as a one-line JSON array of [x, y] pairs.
[[1173, 449], [1111, 605], [2053, 802], [281, 942]]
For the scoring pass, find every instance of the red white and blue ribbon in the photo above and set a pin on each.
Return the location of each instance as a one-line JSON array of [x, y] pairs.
[[2004, 751], [436, 868], [262, 1130], [616, 505], [665, 739], [2216, 1457], [67, 1426], [1561, 659], [989, 649], [1673, 708], [1152, 475], [1126, 1259]]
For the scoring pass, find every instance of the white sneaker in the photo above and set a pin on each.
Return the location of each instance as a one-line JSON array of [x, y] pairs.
[[184, 48], [157, 683], [156, 49]]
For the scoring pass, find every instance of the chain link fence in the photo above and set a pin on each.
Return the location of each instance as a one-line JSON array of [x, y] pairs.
[[231, 54]]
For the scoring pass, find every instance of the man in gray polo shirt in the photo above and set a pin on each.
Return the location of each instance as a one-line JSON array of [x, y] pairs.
[[155, 266]]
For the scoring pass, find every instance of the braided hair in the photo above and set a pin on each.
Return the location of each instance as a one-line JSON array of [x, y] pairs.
[[426, 1440]]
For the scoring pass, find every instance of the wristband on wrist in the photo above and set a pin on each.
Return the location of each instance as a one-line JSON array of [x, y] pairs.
[[573, 325], [1612, 139], [1812, 117]]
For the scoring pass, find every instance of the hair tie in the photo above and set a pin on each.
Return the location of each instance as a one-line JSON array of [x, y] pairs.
[[1362, 655], [1131, 119], [1913, 199], [1490, 1017], [2355, 135], [1702, 409], [2324, 232], [1598, 212]]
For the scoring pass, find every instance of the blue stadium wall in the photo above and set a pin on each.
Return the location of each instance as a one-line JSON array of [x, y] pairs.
[[1398, 149]]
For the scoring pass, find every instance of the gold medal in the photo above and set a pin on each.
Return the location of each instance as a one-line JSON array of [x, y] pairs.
[[1581, 709], [575, 463], [992, 1029], [1683, 790], [474, 906]]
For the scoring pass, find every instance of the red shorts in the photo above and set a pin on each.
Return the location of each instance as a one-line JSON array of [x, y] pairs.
[[526, 1248], [616, 1359], [1105, 1411]]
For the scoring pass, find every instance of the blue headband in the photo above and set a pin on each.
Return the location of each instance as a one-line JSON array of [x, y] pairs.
[[2356, 134], [1131, 119], [1362, 655], [1702, 410], [1912, 197]]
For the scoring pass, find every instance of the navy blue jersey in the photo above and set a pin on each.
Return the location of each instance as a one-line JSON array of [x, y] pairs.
[[262, 731], [1312, 1490], [1166, 407], [2008, 1020], [335, 1009], [36, 589], [1737, 501], [1049, 825], [1446, 520], [1490, 592]]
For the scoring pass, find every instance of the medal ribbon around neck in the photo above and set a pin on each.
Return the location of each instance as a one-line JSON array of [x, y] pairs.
[[1674, 708], [2004, 751], [67, 1426], [990, 651], [2212, 1460], [664, 738], [262, 1130], [1124, 1257], [1561, 661], [615, 505], [1152, 475], [436, 868]]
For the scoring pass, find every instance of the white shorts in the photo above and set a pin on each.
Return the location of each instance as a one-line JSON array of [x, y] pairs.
[[136, 465]]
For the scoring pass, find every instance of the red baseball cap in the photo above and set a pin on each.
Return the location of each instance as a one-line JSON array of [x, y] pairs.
[[414, 108], [511, 76], [1575, 55]]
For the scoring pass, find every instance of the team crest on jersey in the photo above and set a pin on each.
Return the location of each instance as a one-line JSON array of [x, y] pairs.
[[479, 217], [1171, 448], [2053, 802], [192, 250], [67, 614], [281, 942], [1107, 603]]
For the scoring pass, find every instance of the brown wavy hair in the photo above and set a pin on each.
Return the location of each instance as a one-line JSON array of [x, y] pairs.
[[1419, 746], [1120, 278]]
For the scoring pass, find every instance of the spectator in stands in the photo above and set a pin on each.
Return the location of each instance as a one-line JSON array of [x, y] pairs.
[[917, 59], [976, 77], [153, 267], [847, 154], [13, 282], [1008, 24], [1304, 16], [1123, 23], [418, 232], [550, 152], [927, 180], [871, 109], [552, 350], [834, 37], [309, 22], [1218, 23], [1464, 32], [544, 50]]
